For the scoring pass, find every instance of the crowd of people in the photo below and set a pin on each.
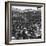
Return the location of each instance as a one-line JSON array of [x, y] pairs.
[[26, 25]]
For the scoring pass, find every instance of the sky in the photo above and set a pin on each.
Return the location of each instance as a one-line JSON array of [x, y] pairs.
[[24, 7]]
